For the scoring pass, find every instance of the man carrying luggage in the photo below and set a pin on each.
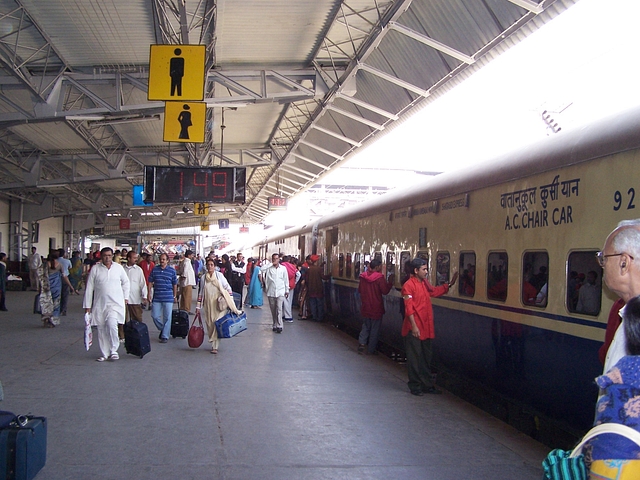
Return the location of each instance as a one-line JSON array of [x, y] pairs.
[[163, 282], [138, 287], [105, 297]]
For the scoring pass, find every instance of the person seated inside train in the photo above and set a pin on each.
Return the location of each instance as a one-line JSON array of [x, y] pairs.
[[620, 399], [589, 296], [572, 291], [466, 284], [529, 292]]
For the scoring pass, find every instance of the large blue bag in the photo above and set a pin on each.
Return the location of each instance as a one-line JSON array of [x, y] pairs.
[[23, 447], [231, 325]]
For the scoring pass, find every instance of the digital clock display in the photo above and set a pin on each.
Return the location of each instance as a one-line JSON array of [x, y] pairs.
[[276, 203], [188, 184]]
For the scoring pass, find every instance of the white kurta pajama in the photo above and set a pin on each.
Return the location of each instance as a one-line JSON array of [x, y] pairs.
[[105, 294]]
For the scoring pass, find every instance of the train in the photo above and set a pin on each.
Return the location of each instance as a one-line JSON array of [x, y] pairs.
[[515, 335]]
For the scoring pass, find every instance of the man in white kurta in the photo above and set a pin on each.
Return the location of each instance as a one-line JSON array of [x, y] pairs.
[[137, 287], [187, 281], [105, 297], [276, 284]]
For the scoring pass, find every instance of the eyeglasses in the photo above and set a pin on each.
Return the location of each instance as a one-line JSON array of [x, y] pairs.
[[600, 256]]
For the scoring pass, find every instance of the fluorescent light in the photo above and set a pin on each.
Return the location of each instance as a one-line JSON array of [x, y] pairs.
[[119, 121]]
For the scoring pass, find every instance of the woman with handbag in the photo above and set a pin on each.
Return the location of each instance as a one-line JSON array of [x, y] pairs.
[[620, 399], [214, 299]]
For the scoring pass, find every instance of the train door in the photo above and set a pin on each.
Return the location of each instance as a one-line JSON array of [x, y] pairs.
[[301, 247], [443, 267], [390, 265], [405, 269]]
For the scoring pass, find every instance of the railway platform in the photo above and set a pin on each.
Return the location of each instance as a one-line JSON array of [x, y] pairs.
[[298, 405]]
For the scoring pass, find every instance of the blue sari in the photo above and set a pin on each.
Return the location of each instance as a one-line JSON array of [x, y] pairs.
[[255, 288]]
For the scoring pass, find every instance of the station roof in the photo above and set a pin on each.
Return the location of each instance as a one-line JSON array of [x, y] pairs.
[[292, 89]]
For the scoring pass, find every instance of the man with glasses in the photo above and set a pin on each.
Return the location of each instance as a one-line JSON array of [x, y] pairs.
[[622, 276]]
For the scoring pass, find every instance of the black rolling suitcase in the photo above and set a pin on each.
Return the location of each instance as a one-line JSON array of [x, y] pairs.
[[23, 447], [136, 338], [179, 323]]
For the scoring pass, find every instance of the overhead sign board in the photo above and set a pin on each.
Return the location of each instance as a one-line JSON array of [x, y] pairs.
[[184, 122], [276, 203], [223, 223], [194, 184], [201, 209], [176, 72]]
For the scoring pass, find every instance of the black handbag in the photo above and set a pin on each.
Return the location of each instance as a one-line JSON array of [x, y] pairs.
[[36, 305]]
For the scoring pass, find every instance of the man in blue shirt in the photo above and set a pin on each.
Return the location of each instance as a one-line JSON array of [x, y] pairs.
[[163, 283]]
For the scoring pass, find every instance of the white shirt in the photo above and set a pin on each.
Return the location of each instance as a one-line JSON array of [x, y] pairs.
[[276, 281], [187, 276], [137, 284], [618, 347], [107, 289], [35, 261]]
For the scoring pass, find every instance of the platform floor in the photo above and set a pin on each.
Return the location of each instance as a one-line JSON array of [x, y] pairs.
[[299, 405]]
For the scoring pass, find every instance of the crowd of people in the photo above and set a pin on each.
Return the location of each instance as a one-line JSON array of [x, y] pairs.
[[114, 291]]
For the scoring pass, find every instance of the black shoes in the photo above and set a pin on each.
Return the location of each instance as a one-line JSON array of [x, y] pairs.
[[433, 391], [278, 330], [430, 391]]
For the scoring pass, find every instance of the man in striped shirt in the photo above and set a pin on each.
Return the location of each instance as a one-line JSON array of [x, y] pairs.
[[163, 282]]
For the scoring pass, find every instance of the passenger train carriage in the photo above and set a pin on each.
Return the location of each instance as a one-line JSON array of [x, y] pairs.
[[515, 335]]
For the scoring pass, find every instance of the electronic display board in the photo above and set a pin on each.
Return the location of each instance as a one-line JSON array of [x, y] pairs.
[[194, 184], [276, 203]]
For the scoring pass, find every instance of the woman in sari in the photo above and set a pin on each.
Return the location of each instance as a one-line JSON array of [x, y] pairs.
[[51, 279], [214, 299], [255, 287], [75, 272]]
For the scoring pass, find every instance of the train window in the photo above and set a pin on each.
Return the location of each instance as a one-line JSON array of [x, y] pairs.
[[497, 281], [467, 285], [391, 264], [405, 260], [356, 265], [443, 267], [341, 265], [348, 261], [535, 266], [584, 283]]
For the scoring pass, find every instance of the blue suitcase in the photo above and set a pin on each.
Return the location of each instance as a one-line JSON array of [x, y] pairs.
[[231, 325], [23, 448]]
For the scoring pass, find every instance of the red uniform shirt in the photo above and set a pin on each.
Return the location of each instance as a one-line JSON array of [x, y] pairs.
[[419, 305]]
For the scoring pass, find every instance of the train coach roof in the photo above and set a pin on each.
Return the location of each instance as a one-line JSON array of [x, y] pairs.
[[608, 136]]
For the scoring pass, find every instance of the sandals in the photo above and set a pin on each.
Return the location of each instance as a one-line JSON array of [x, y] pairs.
[[214, 351]]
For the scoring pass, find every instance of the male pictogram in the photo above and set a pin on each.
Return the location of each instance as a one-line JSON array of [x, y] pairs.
[[176, 72]]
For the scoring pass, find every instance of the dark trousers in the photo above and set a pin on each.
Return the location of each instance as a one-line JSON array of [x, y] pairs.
[[237, 285], [419, 354], [64, 298]]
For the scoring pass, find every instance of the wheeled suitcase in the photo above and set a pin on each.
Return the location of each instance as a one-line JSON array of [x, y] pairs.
[[136, 338], [231, 325], [23, 448], [179, 323]]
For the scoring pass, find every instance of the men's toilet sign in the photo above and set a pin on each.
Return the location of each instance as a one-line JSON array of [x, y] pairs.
[[176, 72]]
